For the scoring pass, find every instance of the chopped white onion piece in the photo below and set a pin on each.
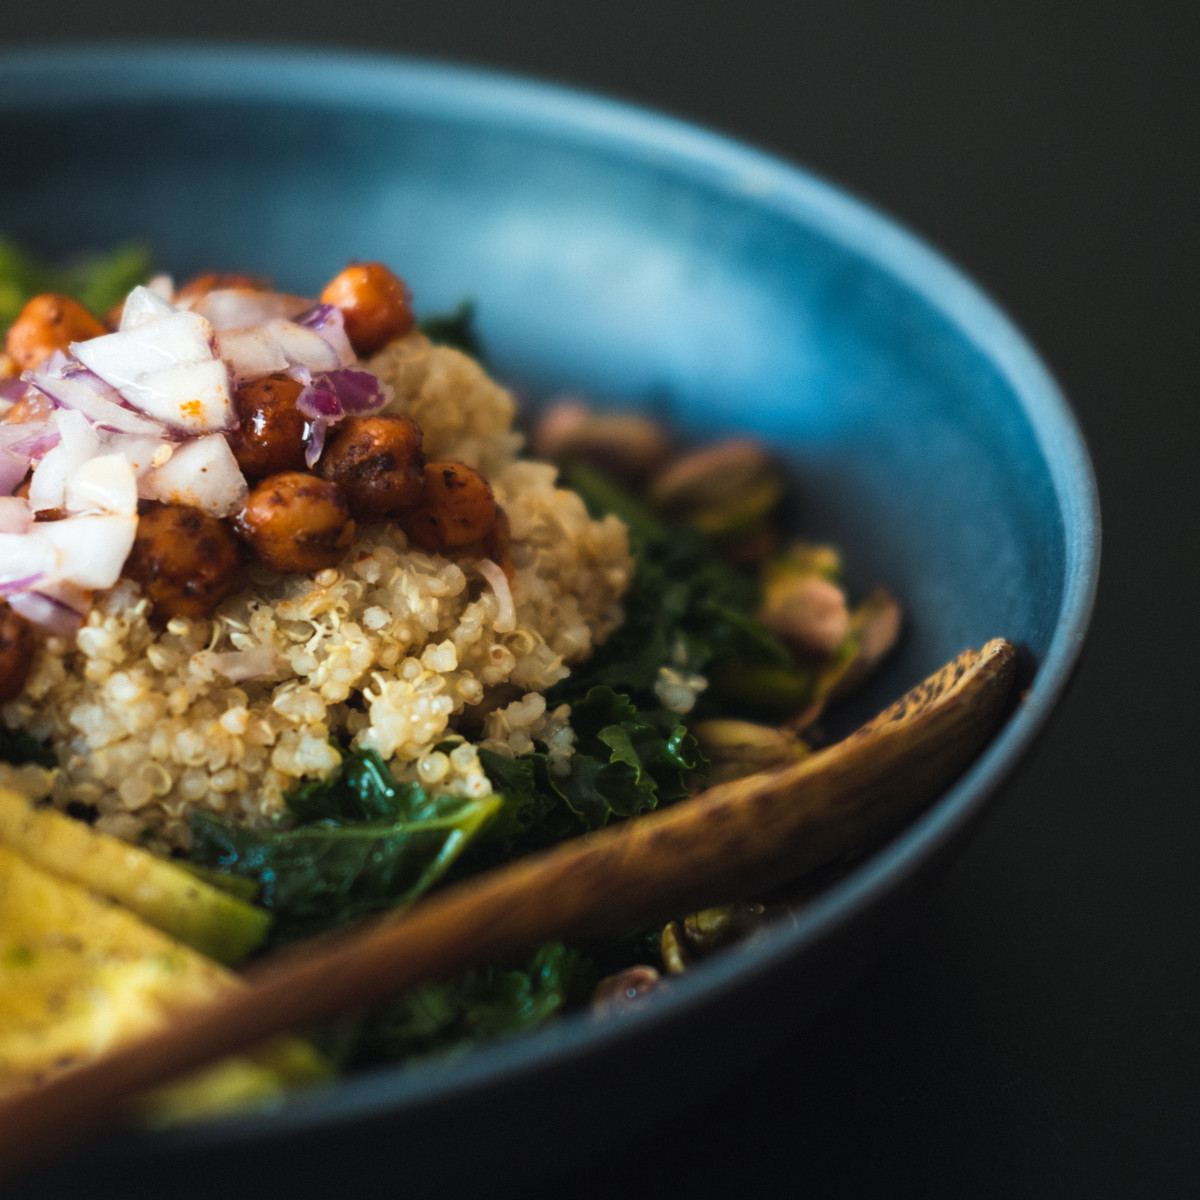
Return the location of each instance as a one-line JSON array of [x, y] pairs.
[[506, 615], [90, 550], [142, 305], [251, 352], [304, 347], [142, 453], [166, 341], [236, 308], [105, 483], [165, 366], [202, 473], [193, 397], [48, 487], [78, 443]]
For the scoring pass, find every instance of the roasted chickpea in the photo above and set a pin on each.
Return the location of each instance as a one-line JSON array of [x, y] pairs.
[[296, 522], [494, 545], [33, 406], [378, 463], [48, 323], [270, 433], [17, 645], [212, 281], [457, 508], [375, 305], [185, 560]]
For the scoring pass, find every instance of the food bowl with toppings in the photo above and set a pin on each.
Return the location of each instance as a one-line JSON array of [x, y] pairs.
[[620, 463]]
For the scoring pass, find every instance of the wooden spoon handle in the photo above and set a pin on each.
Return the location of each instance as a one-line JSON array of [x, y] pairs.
[[730, 839]]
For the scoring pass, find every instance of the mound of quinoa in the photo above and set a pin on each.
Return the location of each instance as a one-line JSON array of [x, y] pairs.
[[395, 649]]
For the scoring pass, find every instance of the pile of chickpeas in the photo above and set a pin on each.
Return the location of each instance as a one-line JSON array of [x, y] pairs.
[[372, 468]]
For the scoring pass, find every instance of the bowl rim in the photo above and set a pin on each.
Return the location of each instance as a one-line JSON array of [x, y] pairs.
[[43, 76]]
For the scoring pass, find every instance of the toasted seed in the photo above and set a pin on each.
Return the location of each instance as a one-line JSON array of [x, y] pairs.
[[626, 445], [617, 993], [721, 488], [673, 948], [737, 748], [808, 614], [710, 928]]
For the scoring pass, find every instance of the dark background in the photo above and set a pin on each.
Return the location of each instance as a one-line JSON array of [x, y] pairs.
[[1038, 1033]]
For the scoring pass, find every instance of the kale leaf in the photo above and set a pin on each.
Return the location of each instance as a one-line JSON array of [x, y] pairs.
[[98, 282], [688, 608], [455, 328], [473, 1006], [362, 843], [18, 747]]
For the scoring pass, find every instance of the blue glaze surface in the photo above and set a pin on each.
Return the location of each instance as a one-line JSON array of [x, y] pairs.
[[650, 264]]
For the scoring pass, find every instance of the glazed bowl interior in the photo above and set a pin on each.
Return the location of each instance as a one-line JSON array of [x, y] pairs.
[[649, 265]]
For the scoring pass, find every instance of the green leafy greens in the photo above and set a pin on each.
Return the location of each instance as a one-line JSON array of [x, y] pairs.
[[18, 747], [98, 282], [455, 328], [687, 608], [361, 843], [452, 1015]]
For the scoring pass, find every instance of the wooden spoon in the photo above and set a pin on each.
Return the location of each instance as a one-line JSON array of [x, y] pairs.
[[740, 836]]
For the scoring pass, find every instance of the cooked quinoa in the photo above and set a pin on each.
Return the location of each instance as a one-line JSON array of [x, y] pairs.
[[393, 650]]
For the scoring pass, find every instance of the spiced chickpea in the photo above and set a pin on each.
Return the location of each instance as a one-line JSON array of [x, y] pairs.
[[270, 433], [378, 463], [375, 305], [185, 560], [212, 281], [17, 646], [49, 322], [456, 508], [295, 521], [33, 406], [496, 544]]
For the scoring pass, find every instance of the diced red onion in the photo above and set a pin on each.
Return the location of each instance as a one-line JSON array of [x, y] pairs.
[[506, 615], [314, 442], [328, 321], [359, 391], [29, 439], [320, 401], [25, 560], [24, 584], [82, 390], [12, 390], [15, 515], [13, 469], [239, 665], [47, 612], [331, 395]]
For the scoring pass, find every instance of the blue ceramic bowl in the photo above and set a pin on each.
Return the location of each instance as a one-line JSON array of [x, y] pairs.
[[652, 264]]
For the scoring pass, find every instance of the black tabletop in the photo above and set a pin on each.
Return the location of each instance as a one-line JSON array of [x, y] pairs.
[[1038, 1030]]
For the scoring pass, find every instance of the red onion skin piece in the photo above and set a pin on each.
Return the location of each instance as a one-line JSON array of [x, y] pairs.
[[47, 612]]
